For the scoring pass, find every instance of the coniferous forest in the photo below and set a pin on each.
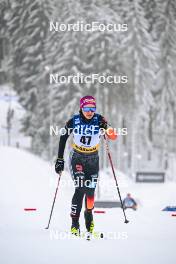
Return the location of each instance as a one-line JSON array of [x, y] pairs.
[[145, 53]]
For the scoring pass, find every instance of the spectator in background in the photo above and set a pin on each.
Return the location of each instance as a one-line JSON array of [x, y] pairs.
[[129, 202]]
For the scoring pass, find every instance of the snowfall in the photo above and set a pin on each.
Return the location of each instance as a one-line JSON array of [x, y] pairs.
[[29, 182]]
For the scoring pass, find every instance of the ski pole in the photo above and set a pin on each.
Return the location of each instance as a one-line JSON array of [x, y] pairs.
[[110, 159], [54, 201]]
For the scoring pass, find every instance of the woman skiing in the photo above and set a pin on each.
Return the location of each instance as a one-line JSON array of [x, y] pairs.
[[83, 160]]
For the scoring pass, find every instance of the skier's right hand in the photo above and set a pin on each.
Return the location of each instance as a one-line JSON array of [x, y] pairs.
[[59, 165]]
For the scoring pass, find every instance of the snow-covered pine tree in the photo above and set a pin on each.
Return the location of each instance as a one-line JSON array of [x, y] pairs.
[[27, 28], [138, 50], [165, 35]]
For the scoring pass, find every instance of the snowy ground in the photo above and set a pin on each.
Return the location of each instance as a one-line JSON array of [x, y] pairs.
[[27, 181]]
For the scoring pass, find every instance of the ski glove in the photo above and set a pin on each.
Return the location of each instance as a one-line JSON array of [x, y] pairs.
[[59, 165], [103, 123]]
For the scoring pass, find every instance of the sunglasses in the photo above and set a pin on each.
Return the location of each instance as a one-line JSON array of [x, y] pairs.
[[89, 109]]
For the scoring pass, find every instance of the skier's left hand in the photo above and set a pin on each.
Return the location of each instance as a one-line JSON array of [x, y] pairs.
[[103, 123], [59, 165]]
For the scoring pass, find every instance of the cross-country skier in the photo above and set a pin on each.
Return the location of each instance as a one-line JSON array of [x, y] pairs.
[[84, 159]]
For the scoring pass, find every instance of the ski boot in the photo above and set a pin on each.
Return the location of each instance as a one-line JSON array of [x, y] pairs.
[[88, 216], [75, 230]]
